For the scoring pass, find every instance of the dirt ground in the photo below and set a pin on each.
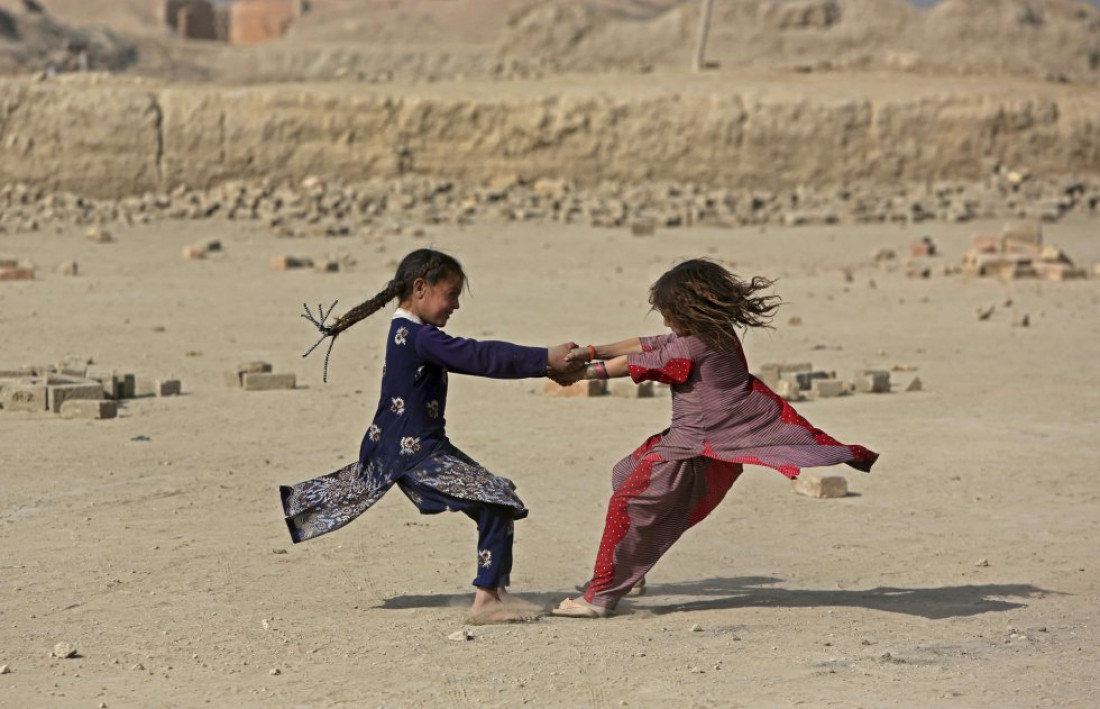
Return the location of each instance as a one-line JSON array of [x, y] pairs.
[[963, 572]]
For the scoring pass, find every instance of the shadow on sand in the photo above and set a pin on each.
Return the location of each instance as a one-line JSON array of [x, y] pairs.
[[754, 591]]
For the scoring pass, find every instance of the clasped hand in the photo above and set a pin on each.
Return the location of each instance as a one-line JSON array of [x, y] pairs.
[[566, 362]]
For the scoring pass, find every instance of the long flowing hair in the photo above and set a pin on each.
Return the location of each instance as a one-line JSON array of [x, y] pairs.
[[706, 300], [431, 265]]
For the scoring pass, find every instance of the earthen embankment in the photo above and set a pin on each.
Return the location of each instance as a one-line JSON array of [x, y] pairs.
[[102, 136]]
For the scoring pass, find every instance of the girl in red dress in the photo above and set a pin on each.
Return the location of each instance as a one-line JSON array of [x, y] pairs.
[[722, 418]]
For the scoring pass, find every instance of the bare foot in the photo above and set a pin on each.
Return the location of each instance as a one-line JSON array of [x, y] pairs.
[[499, 606]]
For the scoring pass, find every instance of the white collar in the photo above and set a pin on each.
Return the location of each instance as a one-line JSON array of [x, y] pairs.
[[402, 313]]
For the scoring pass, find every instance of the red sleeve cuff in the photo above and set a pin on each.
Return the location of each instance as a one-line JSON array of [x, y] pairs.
[[674, 371]]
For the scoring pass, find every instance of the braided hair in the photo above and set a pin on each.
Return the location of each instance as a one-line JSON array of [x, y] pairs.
[[709, 302], [429, 264]]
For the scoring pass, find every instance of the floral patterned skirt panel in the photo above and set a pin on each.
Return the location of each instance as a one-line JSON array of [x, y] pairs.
[[454, 474], [327, 503]]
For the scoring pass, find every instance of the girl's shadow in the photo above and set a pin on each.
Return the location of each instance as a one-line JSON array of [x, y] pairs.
[[931, 603], [753, 591]]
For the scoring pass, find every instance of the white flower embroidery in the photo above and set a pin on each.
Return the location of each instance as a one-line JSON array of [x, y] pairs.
[[400, 336], [397, 405], [374, 433], [433, 409], [409, 445], [484, 558]]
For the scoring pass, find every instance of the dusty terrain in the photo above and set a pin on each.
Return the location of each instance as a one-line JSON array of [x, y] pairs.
[[960, 573], [963, 572]]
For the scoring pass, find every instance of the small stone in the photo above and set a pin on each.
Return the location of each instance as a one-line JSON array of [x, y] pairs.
[[278, 551], [986, 312], [461, 635], [1021, 321], [794, 320], [283, 263], [982, 563], [696, 628], [915, 385], [697, 670], [103, 705], [64, 650], [137, 666], [275, 671], [98, 236], [5, 670], [194, 253], [69, 268]]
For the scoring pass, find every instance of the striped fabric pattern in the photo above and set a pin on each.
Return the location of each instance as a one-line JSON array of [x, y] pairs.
[[722, 418]]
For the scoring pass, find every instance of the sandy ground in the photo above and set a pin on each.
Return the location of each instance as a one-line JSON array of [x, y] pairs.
[[963, 572]]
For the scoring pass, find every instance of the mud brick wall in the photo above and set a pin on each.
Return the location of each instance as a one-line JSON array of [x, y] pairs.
[[107, 137]]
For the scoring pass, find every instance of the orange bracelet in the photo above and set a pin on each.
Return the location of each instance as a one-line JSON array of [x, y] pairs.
[[591, 353]]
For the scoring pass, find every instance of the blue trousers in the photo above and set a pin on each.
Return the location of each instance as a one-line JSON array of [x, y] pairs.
[[495, 528]]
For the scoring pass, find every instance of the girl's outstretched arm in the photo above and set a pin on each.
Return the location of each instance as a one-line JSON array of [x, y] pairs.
[[592, 353]]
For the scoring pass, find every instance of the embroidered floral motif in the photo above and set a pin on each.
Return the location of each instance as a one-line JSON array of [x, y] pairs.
[[433, 409], [457, 475], [401, 336], [410, 445], [397, 405], [329, 502], [484, 558], [374, 433]]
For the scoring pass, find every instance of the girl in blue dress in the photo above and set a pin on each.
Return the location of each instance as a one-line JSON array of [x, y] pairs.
[[407, 444]]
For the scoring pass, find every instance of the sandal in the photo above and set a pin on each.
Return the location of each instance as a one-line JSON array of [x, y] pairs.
[[579, 608], [638, 589]]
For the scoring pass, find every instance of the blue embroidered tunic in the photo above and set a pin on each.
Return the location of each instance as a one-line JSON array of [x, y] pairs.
[[406, 442]]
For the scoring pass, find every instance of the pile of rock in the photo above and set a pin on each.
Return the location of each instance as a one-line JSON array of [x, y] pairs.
[[73, 389], [1019, 252], [258, 376], [320, 207]]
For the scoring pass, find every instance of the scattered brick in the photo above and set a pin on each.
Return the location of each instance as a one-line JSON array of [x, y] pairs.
[[89, 409], [58, 394], [627, 389], [16, 274], [872, 381], [1023, 232], [157, 387], [820, 486], [827, 388], [266, 381], [805, 380], [790, 391], [27, 395], [771, 372]]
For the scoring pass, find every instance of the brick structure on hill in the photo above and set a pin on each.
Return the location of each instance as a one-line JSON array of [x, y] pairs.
[[233, 21]]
